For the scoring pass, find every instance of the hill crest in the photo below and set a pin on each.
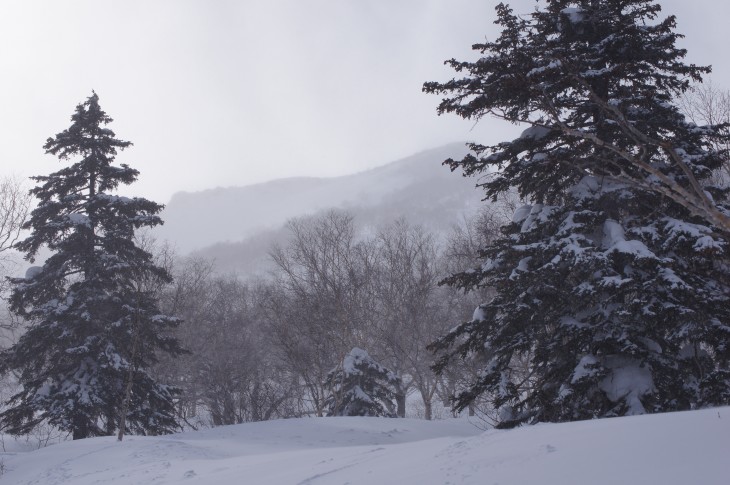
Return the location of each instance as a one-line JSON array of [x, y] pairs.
[[418, 188]]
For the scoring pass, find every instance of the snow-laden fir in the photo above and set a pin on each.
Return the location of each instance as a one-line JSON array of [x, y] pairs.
[[612, 284]]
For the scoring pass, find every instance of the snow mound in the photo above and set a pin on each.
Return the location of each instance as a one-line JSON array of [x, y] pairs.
[[32, 272], [673, 448]]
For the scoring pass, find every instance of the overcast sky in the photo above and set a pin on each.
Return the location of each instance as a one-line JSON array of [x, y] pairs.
[[221, 93]]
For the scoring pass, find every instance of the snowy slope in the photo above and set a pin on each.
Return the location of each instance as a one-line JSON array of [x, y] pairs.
[[677, 448]]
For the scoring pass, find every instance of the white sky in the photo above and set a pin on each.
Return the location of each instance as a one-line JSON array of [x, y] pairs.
[[221, 93]]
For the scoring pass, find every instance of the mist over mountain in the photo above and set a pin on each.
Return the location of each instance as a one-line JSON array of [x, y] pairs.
[[237, 225]]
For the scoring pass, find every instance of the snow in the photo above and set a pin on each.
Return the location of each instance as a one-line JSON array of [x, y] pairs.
[[360, 395], [670, 277], [707, 243], [114, 198], [614, 281], [522, 267], [585, 368], [591, 186], [627, 381], [651, 345], [79, 219], [612, 233], [678, 227], [575, 14], [479, 314], [32, 272], [521, 213], [614, 239], [538, 213], [541, 69], [597, 72], [691, 351], [536, 132], [636, 248], [355, 357], [671, 449], [682, 230]]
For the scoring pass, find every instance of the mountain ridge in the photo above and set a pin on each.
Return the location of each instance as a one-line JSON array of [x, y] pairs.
[[417, 188], [458, 147]]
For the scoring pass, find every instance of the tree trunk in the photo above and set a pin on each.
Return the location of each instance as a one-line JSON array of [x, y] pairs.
[[400, 400], [428, 409], [125, 405], [80, 429], [130, 377]]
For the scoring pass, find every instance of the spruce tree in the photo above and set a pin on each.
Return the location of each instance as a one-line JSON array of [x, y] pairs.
[[360, 386], [614, 291], [93, 329]]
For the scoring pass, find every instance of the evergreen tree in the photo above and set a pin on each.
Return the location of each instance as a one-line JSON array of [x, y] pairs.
[[93, 328], [361, 387], [616, 295]]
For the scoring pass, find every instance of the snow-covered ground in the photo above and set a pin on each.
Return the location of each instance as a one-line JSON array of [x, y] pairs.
[[678, 448]]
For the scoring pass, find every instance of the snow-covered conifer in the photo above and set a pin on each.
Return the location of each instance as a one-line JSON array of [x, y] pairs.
[[616, 291], [93, 328], [360, 386]]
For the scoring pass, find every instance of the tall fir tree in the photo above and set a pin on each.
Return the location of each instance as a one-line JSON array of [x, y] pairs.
[[617, 296], [93, 329]]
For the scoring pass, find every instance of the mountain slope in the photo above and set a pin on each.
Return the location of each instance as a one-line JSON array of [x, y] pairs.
[[669, 449], [417, 187]]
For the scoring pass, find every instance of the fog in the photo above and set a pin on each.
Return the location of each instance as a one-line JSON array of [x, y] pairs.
[[232, 93]]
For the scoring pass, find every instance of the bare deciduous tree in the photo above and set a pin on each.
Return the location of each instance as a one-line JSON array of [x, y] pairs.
[[261, 350], [410, 307], [318, 310], [706, 104], [14, 206], [230, 374]]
